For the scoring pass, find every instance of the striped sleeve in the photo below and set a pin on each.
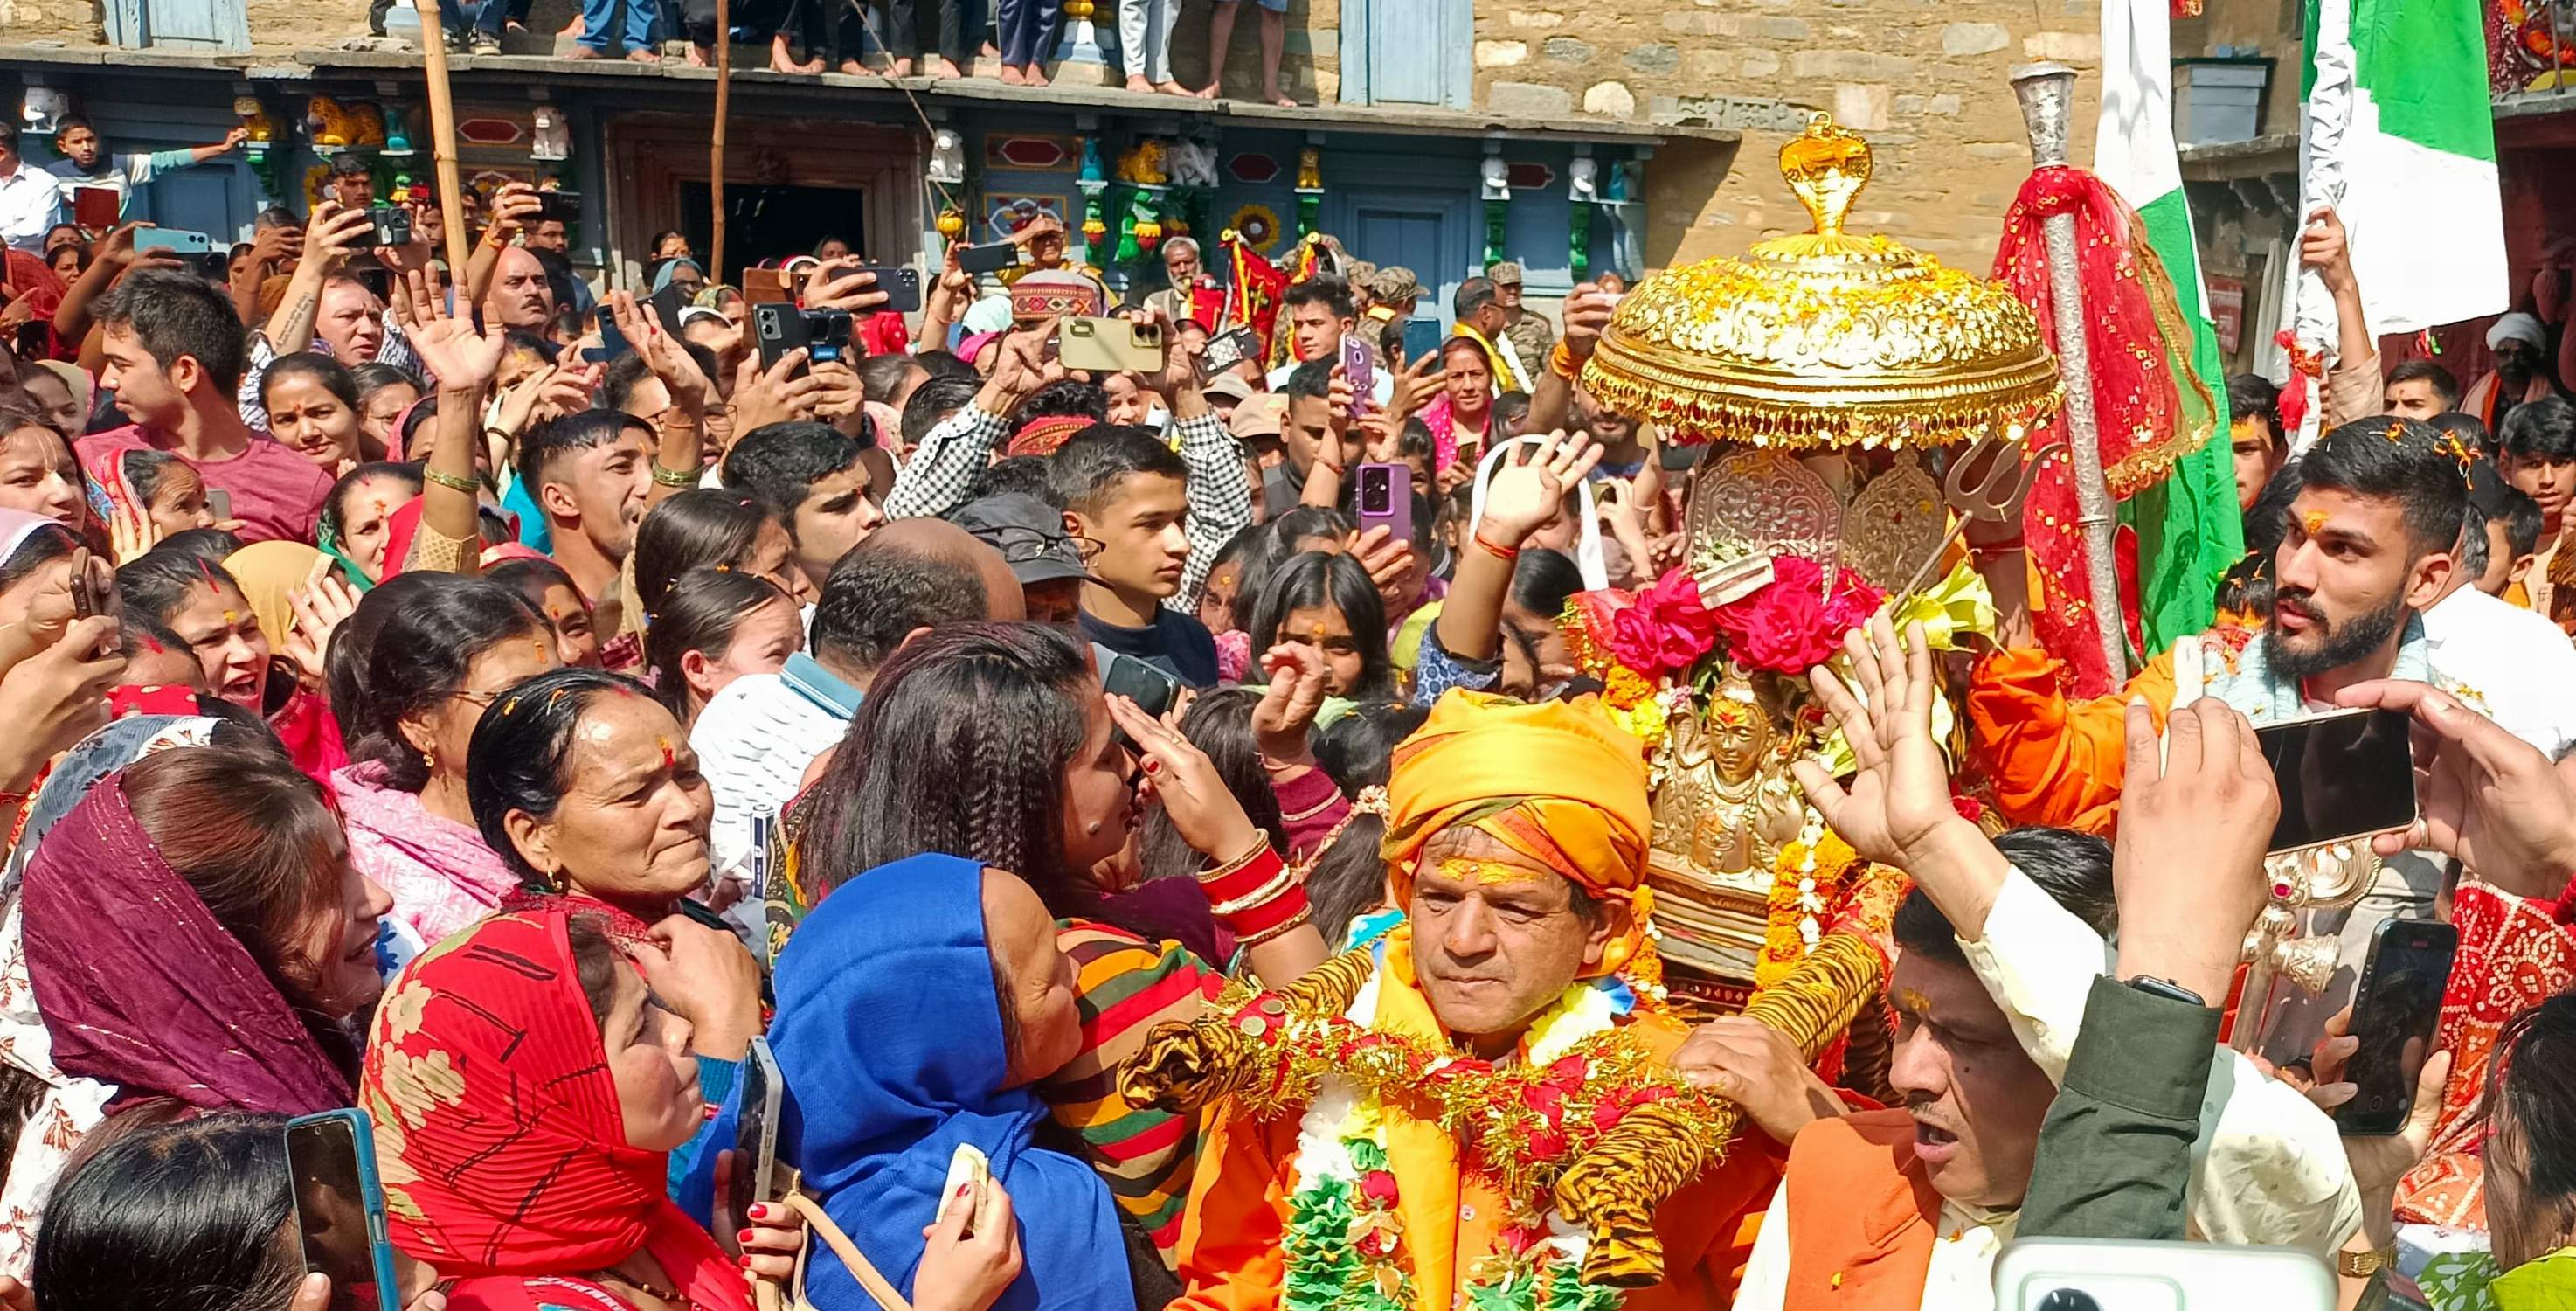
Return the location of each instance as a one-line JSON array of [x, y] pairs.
[[1124, 986]]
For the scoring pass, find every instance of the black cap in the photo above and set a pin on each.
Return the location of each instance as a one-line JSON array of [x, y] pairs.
[[348, 164], [1030, 535]]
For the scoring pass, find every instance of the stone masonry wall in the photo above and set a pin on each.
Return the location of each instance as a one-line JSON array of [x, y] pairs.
[[1926, 80]]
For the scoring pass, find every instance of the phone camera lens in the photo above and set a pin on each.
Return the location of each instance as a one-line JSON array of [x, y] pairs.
[[2068, 1299]]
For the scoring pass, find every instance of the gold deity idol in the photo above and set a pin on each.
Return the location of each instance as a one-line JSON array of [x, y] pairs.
[[1723, 807]]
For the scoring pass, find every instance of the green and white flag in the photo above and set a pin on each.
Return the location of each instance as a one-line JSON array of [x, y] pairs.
[[2188, 528], [2417, 155]]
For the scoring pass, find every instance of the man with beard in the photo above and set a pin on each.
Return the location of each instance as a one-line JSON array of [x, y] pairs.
[[2519, 342], [2370, 544]]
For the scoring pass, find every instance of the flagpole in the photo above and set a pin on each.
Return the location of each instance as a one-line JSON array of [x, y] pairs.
[[716, 152], [442, 136], [2047, 110], [2311, 311]]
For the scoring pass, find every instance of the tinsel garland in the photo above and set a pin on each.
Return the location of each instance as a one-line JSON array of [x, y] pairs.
[[1609, 1127]]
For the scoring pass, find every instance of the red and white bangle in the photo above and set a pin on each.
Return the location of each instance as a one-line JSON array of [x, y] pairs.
[[1257, 896]]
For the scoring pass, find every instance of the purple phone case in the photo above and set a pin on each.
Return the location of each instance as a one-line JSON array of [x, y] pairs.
[[1360, 370], [1398, 516]]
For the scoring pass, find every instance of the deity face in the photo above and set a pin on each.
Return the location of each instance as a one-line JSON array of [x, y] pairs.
[[1739, 737]]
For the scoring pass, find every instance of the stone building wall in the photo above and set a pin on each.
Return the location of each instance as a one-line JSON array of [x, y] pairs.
[[1928, 82]]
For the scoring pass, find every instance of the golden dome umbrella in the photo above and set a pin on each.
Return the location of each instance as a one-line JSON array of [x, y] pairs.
[[1825, 339]]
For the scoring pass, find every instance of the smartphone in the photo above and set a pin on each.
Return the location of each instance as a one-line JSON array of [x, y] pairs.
[[900, 283], [96, 207], [992, 257], [377, 279], [219, 503], [1151, 689], [1386, 497], [340, 1209], [2394, 1010], [2343, 775], [87, 599], [968, 1167], [612, 342], [667, 304], [1230, 348], [766, 287], [2126, 1274], [1421, 337], [1111, 345], [393, 225], [564, 206], [755, 1139], [1360, 368], [824, 335], [178, 241], [32, 339]]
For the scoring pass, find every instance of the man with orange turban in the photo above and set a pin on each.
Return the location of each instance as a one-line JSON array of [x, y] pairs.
[[1516, 845]]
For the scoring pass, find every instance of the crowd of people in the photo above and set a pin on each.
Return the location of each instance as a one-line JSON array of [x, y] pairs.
[[517, 710], [902, 38]]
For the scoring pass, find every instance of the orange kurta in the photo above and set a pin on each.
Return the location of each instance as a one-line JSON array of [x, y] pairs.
[[1232, 1250], [2055, 760]]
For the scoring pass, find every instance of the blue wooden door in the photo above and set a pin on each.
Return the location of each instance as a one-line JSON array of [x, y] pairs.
[[1408, 52], [1428, 233], [181, 24]]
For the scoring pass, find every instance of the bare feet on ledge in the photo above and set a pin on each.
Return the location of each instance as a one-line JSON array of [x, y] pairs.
[[1011, 76], [1171, 88], [640, 55], [940, 67], [1136, 82]]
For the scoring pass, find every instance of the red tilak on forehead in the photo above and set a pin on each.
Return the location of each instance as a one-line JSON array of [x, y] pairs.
[[669, 757]]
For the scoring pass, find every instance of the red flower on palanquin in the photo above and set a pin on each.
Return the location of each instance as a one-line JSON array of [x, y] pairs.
[[1788, 627], [1668, 628]]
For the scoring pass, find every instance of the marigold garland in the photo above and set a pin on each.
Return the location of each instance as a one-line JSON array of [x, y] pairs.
[[1809, 877]]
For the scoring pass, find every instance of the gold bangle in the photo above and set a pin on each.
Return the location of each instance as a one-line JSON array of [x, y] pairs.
[[1287, 878], [675, 477], [465, 485], [1305, 914], [2362, 1265], [1260, 844]]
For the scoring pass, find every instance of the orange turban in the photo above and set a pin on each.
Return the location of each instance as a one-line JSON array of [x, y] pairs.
[[1557, 782]]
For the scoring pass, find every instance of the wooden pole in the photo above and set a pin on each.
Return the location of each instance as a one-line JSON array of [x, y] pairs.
[[716, 265], [2046, 94], [442, 136]]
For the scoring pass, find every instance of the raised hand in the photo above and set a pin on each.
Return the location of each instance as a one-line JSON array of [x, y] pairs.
[[1529, 485], [2187, 864], [1185, 780], [785, 390], [2483, 795], [1289, 704], [662, 352], [461, 359], [1899, 800], [1586, 313], [840, 284]]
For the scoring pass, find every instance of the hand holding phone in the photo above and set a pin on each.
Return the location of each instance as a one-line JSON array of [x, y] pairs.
[[95, 208], [755, 1143], [340, 1209], [219, 503], [1385, 499], [1361, 368], [991, 257], [2394, 1011], [2345, 775]]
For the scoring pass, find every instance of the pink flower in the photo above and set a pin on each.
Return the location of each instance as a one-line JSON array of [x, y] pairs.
[[1379, 1187], [1668, 628], [1785, 627]]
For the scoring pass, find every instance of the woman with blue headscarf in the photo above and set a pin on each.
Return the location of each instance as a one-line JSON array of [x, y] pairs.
[[916, 1006]]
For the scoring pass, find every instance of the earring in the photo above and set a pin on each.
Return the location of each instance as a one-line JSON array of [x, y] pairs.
[[1093, 828]]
